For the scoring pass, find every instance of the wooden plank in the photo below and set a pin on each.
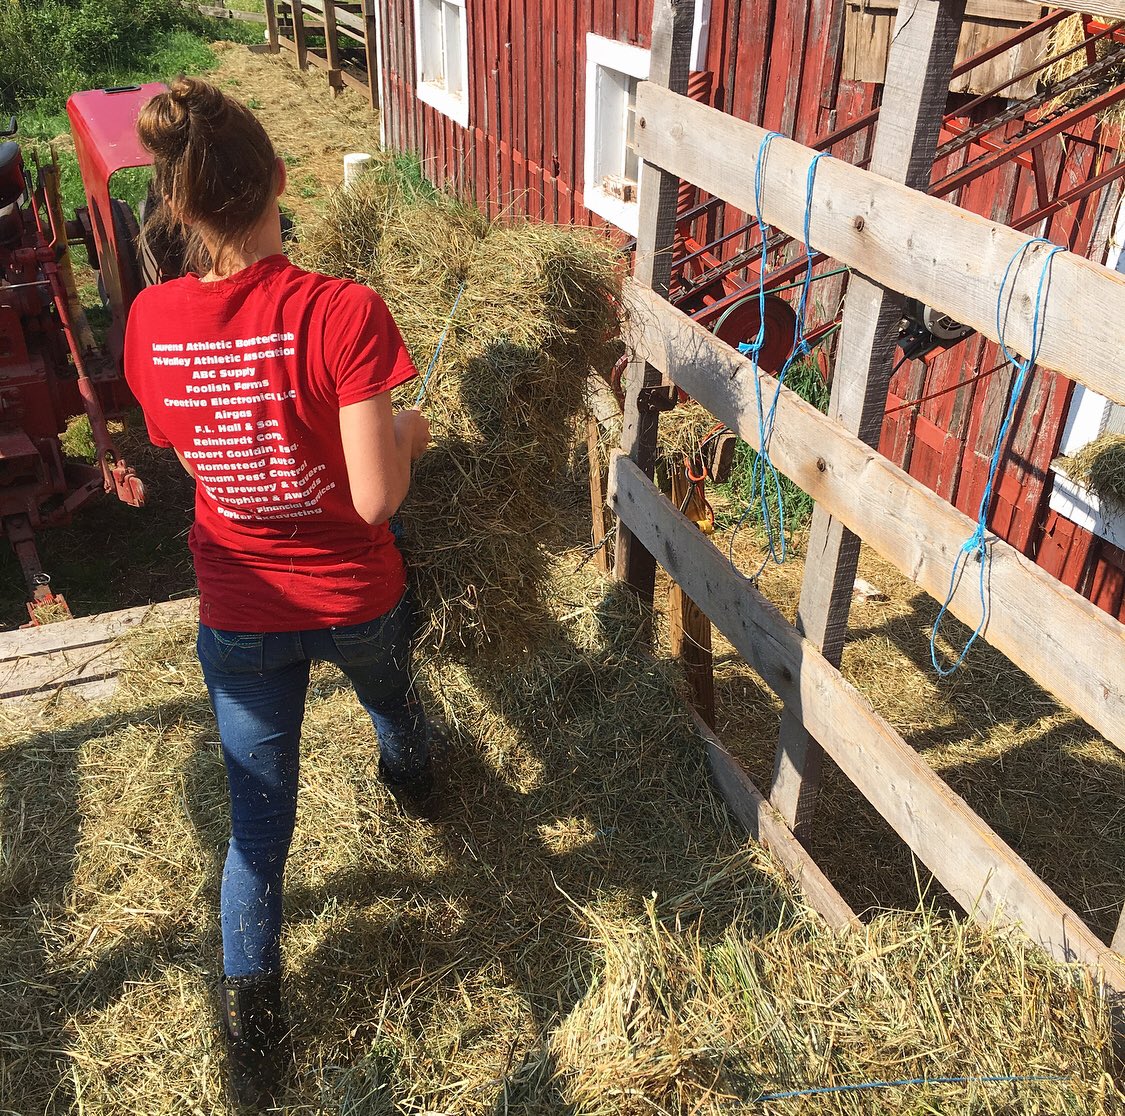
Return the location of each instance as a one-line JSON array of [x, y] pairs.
[[981, 872], [1119, 935], [765, 824], [918, 71], [689, 630], [597, 494], [1105, 9], [80, 656], [300, 38], [229, 13], [670, 64], [331, 40], [1068, 646], [371, 53], [85, 631], [920, 246]]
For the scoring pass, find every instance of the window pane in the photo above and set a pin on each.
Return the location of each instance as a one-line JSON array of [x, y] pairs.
[[451, 45], [429, 26]]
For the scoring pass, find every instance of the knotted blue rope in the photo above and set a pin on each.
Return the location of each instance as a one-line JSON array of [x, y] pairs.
[[440, 345], [977, 544], [764, 475]]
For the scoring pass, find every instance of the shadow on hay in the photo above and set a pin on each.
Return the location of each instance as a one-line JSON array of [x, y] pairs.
[[589, 796], [40, 829], [503, 916]]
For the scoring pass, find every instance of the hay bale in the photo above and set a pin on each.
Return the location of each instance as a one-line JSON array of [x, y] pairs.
[[1100, 466], [538, 310]]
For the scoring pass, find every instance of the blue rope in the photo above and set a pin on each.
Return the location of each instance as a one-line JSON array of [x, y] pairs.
[[895, 1084], [764, 475], [440, 345], [977, 544]]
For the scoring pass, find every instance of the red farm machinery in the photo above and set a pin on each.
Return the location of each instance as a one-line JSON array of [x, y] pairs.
[[52, 368]]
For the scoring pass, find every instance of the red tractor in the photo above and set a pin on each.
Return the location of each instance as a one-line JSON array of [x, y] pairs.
[[51, 366]]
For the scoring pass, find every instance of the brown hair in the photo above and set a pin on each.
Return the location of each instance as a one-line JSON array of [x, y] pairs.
[[214, 167]]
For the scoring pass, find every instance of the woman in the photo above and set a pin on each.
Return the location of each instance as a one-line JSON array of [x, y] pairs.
[[273, 387]]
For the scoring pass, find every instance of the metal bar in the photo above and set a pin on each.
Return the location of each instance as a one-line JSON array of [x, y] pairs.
[[1029, 220]]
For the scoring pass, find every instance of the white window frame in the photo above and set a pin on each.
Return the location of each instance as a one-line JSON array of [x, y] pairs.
[[455, 106], [631, 62], [1089, 417]]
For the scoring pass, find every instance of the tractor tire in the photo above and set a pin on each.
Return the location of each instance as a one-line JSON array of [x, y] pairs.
[[127, 233]]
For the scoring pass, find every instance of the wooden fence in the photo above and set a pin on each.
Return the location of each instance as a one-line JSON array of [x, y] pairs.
[[337, 36], [899, 243]]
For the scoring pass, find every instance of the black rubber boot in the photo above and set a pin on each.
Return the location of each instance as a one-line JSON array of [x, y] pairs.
[[417, 795], [257, 1040]]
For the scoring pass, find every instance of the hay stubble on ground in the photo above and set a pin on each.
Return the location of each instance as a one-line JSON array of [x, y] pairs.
[[584, 934]]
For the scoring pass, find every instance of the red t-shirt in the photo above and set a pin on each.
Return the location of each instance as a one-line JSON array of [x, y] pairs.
[[246, 376]]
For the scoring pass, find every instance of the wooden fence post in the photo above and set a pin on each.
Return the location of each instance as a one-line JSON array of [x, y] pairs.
[[371, 52], [689, 630], [670, 62], [332, 46], [921, 58], [271, 26], [300, 39]]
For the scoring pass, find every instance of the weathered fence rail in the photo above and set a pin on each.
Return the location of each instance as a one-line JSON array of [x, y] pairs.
[[899, 242]]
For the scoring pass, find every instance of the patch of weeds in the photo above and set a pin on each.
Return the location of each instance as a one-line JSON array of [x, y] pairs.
[[741, 491], [78, 440]]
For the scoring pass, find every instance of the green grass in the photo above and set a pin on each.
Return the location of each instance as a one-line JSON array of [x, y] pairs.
[[805, 379], [44, 119]]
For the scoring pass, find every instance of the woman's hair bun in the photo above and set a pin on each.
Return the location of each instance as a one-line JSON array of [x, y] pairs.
[[200, 100], [166, 123]]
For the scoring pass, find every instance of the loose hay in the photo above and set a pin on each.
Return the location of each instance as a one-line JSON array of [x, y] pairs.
[[1100, 466], [585, 935], [1068, 33], [539, 309]]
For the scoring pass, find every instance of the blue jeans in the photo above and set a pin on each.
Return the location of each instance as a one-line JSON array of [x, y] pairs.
[[257, 685]]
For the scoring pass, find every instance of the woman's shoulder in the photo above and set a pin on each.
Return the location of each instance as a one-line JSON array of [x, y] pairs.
[[336, 291]]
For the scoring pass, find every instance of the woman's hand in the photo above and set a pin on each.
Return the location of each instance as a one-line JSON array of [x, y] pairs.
[[412, 428]]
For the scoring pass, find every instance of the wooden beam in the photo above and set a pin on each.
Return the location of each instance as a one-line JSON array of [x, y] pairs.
[[670, 63], [80, 656], [1068, 645], [597, 494], [919, 68], [983, 874], [300, 38], [689, 630], [271, 26], [920, 246], [764, 824], [1119, 936], [371, 52], [331, 43], [1105, 9]]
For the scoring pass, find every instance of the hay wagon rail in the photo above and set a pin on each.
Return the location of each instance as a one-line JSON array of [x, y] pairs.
[[899, 242]]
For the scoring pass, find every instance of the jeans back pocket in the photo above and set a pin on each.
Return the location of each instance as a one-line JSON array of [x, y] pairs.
[[233, 652]]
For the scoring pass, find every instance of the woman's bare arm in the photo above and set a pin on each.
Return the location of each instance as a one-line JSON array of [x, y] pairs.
[[379, 447]]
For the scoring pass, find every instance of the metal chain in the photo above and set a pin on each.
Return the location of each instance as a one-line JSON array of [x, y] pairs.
[[1021, 108]]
